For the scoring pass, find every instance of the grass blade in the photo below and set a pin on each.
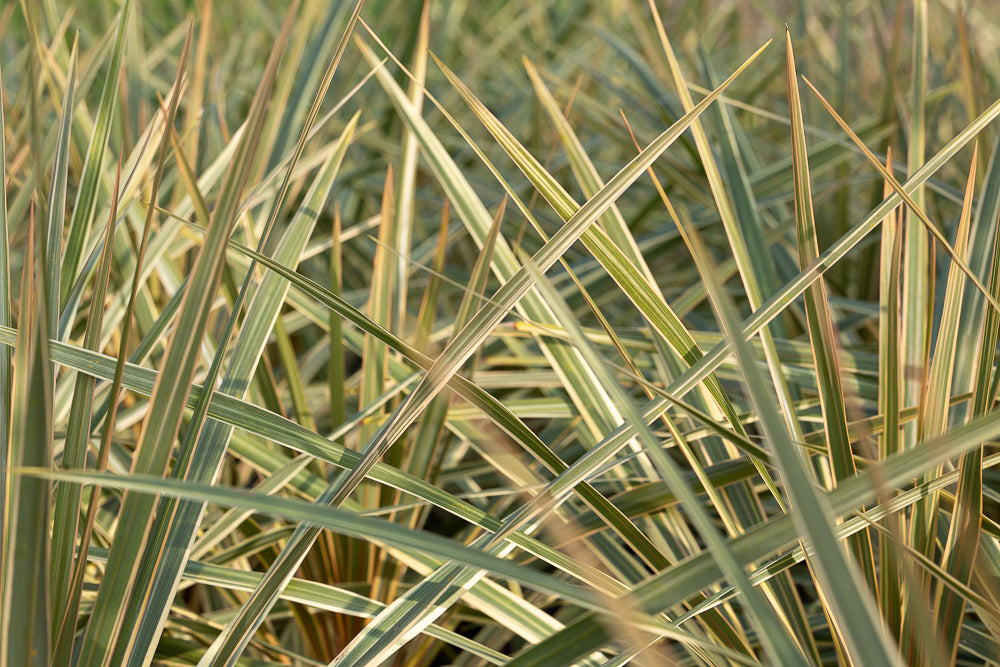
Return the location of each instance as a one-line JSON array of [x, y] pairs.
[[890, 394], [961, 546], [25, 627], [822, 333], [57, 195], [86, 198], [6, 358]]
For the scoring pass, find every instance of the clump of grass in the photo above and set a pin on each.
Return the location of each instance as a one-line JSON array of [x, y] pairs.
[[410, 334]]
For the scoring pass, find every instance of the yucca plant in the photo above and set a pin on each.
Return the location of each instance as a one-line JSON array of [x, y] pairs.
[[404, 333]]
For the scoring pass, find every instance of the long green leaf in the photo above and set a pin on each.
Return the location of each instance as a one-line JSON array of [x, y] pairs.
[[916, 317], [962, 543], [6, 356], [25, 617], [57, 195], [86, 197], [822, 332], [890, 394]]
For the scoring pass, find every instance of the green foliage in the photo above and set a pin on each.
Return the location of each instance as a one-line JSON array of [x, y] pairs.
[[542, 333]]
